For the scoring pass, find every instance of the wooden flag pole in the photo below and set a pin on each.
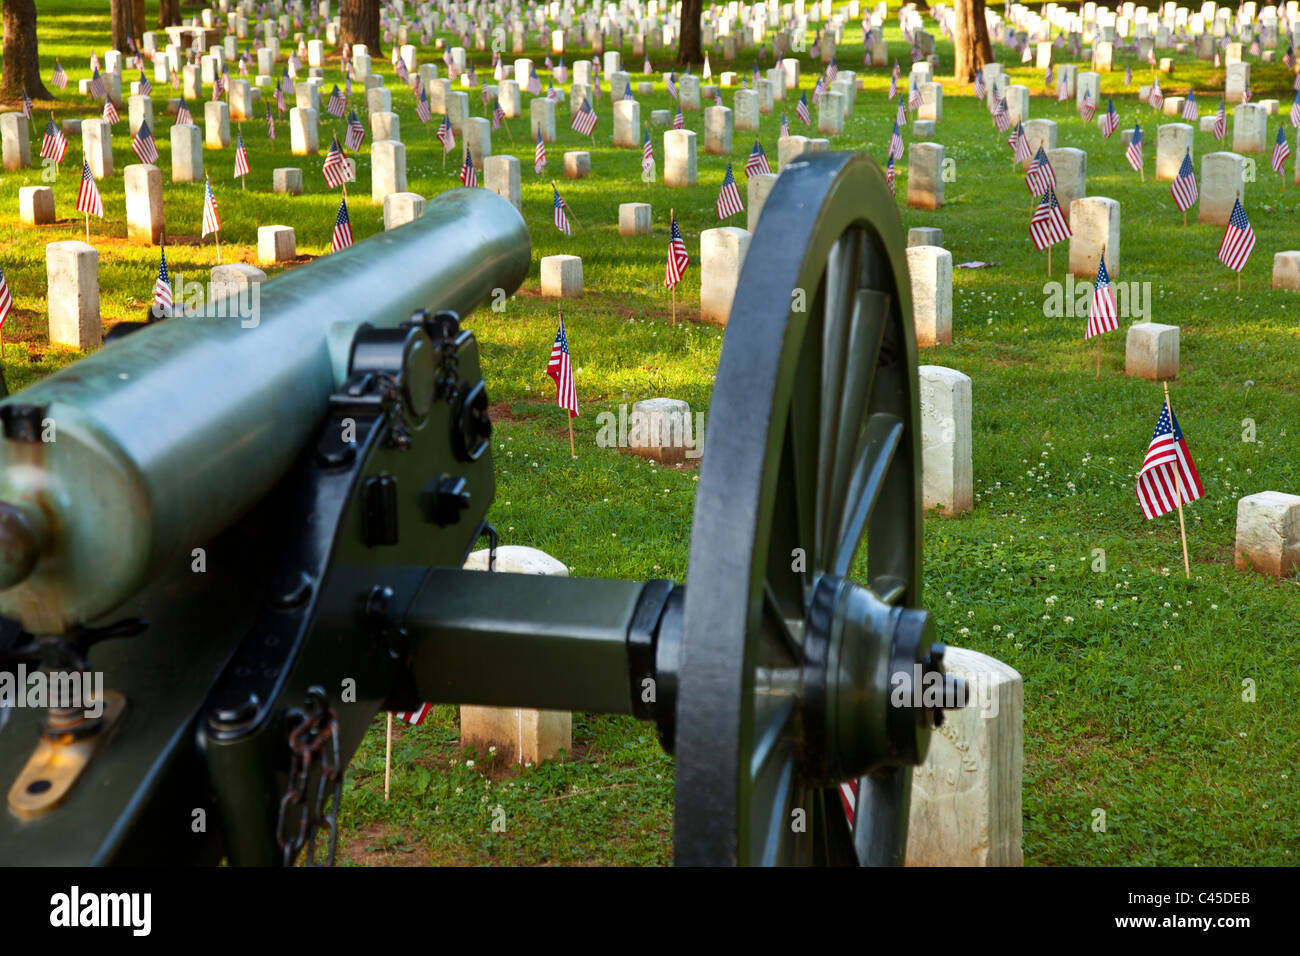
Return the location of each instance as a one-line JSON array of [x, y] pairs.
[[1178, 477], [388, 755], [1049, 261], [572, 451], [87, 227]]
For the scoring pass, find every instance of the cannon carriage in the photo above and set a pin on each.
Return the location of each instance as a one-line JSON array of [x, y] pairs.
[[232, 524]]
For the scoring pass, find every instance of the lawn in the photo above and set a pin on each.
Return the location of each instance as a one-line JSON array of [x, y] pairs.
[[1133, 676]]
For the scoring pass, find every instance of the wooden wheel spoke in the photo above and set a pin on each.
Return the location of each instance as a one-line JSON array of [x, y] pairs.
[[770, 795], [870, 311], [842, 269], [880, 440]]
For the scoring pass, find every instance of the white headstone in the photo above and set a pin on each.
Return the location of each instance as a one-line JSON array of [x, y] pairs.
[[401, 208], [722, 254], [679, 157], [561, 276], [634, 219], [1094, 223], [1268, 533], [930, 268], [144, 203], [501, 175], [946, 471], [925, 175], [72, 279], [387, 169], [276, 244], [1151, 351]]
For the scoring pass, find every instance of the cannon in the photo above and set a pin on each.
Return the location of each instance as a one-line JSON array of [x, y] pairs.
[[230, 525]]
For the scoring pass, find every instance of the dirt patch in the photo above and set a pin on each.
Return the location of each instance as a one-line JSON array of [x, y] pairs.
[[371, 847]]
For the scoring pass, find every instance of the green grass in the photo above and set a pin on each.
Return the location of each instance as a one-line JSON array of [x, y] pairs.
[[1133, 676]]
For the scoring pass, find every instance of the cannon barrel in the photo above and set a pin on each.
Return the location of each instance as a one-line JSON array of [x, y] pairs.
[[141, 452]]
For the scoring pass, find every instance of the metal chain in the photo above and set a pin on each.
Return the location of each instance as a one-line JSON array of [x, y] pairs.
[[313, 743]]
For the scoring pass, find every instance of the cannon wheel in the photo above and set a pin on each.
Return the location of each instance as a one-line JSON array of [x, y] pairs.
[[812, 449]]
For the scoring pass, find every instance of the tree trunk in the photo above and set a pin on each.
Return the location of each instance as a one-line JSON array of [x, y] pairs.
[[359, 20], [169, 13], [22, 68], [137, 22], [688, 44], [971, 40], [120, 13]]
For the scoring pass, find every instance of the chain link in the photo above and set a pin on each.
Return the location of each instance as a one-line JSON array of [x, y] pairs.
[[313, 743]]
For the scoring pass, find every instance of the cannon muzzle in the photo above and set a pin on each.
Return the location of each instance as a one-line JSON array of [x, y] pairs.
[[140, 453]]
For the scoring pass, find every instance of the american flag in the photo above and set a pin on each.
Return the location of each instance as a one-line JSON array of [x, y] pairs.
[[1295, 111], [1087, 108], [143, 144], [914, 98], [174, 78], [211, 218], [54, 145], [560, 369], [1134, 151], [539, 155], [415, 717], [893, 87], [679, 121], [498, 114], [534, 84], [1047, 80], [447, 135], [980, 89], [889, 174], [6, 300], [183, 117], [647, 154], [1288, 58], [1048, 225], [356, 133], [801, 109], [757, 162], [1103, 316], [1040, 177], [672, 86], [111, 116], [88, 200], [785, 127], [1110, 121], [404, 74], [336, 169], [1128, 75], [817, 91], [270, 124], [1280, 151], [832, 71], [1027, 54], [717, 98], [728, 203], [96, 85], [162, 286], [627, 92], [1019, 144], [94, 57], [1220, 128], [1001, 118], [896, 143], [678, 259], [27, 105], [551, 93], [1157, 96], [144, 86], [596, 90], [58, 77], [1238, 239], [1184, 187], [584, 120], [422, 107], [279, 96], [467, 175], [1245, 92], [1190, 110], [560, 219], [219, 86], [241, 156], [337, 104], [342, 228], [1062, 90], [1168, 476]]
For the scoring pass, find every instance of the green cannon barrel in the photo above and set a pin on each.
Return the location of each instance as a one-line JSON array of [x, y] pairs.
[[139, 453]]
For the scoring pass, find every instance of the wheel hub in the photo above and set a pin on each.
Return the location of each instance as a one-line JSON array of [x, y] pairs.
[[873, 684]]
